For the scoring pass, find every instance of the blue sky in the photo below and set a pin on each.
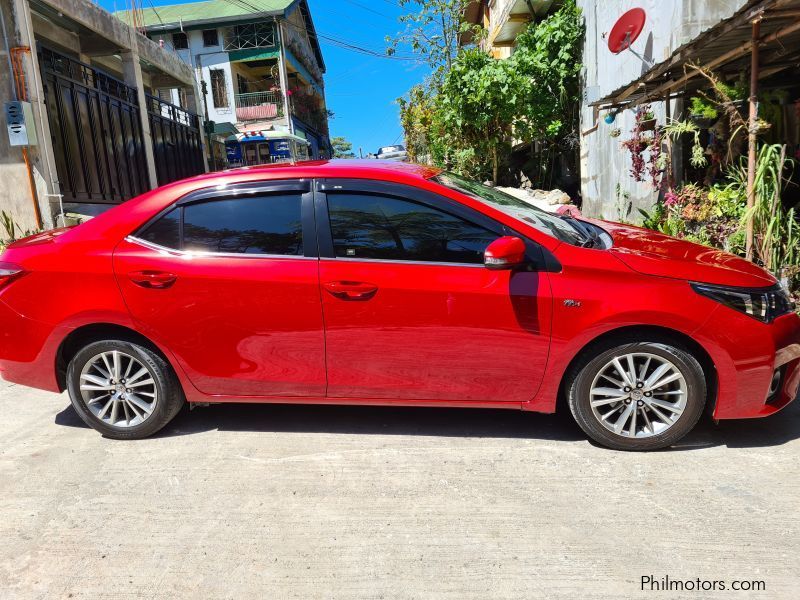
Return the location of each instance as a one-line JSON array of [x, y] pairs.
[[361, 90]]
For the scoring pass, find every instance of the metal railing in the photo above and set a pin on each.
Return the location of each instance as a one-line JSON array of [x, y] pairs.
[[257, 106]]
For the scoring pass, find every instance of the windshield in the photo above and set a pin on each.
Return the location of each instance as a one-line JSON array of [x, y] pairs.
[[543, 221]]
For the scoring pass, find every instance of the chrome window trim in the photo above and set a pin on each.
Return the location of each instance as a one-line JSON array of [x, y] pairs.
[[200, 254], [403, 262]]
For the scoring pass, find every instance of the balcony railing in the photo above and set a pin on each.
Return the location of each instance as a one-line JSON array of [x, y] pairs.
[[259, 106]]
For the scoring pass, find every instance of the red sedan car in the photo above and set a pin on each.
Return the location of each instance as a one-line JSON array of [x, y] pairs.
[[386, 283]]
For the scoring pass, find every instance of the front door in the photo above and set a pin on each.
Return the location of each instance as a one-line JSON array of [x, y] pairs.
[[410, 310], [228, 281]]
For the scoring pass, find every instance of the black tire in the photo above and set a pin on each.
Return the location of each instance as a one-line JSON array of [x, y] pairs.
[[169, 395], [582, 375]]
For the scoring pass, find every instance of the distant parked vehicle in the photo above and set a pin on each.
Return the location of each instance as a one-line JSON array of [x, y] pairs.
[[396, 152]]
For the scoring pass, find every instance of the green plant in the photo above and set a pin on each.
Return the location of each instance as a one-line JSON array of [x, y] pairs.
[[342, 148], [701, 108], [466, 116], [775, 230], [674, 129]]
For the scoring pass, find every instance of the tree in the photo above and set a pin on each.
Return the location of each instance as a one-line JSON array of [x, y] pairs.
[[478, 108], [467, 121], [432, 32], [342, 148]]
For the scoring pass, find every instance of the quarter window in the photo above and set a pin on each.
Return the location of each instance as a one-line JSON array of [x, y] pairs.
[[383, 227], [166, 231], [259, 225]]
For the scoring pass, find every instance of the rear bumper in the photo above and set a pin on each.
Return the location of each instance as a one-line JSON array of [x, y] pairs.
[[746, 354], [27, 350]]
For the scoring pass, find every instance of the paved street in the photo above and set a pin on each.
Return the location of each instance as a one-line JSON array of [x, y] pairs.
[[323, 502]]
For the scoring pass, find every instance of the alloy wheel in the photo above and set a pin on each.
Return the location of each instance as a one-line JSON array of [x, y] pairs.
[[118, 389], [638, 395]]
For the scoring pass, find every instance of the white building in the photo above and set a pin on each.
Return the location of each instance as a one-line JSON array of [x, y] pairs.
[[257, 71]]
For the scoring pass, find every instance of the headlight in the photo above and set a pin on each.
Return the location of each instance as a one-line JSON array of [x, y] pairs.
[[764, 304]]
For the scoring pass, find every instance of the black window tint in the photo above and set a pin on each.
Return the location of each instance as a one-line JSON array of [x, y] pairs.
[[372, 226], [166, 231], [259, 225]]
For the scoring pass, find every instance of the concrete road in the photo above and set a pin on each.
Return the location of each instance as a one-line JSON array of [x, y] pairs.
[[359, 502]]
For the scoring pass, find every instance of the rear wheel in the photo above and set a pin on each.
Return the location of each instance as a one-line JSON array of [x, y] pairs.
[[637, 396], [122, 389]]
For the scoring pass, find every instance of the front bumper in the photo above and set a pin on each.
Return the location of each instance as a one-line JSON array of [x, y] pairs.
[[746, 354]]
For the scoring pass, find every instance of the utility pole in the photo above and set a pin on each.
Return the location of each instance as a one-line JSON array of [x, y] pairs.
[[752, 140]]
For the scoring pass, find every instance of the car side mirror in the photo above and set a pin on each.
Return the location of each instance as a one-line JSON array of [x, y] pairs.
[[506, 252]]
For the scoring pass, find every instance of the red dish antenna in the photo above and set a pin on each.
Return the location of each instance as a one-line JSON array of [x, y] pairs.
[[626, 30]]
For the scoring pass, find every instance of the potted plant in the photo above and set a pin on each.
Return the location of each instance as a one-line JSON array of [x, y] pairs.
[[616, 132], [647, 120], [702, 112]]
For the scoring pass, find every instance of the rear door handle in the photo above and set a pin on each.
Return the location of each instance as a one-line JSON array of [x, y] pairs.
[[154, 280], [350, 290]]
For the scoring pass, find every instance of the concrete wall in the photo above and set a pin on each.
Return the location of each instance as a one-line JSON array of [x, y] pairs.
[[15, 197], [604, 164]]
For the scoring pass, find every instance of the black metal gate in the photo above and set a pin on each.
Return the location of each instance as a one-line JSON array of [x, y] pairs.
[[96, 131], [176, 140]]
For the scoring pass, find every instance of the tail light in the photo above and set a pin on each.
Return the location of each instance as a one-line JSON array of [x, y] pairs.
[[9, 272]]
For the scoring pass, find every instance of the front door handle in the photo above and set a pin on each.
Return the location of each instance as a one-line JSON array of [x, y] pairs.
[[350, 290], [153, 280]]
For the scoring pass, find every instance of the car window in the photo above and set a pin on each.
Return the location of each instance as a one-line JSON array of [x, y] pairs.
[[166, 231], [260, 225], [543, 221], [269, 224], [383, 227]]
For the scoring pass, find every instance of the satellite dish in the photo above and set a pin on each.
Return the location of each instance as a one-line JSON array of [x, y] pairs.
[[626, 30]]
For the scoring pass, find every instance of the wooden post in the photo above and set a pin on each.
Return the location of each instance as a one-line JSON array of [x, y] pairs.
[[752, 141]]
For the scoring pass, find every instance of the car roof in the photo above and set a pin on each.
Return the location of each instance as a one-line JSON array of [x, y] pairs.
[[341, 168]]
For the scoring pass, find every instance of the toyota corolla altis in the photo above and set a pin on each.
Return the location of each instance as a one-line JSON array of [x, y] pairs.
[[385, 283]]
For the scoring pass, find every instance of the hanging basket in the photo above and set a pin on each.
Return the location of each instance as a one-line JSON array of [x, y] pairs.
[[703, 122], [648, 125]]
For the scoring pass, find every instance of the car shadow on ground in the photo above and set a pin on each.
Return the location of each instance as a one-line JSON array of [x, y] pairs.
[[448, 422]]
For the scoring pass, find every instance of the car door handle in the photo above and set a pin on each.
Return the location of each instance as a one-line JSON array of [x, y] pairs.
[[154, 280], [350, 290]]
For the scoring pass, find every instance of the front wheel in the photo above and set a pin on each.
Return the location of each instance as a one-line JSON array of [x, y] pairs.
[[637, 396], [122, 389]]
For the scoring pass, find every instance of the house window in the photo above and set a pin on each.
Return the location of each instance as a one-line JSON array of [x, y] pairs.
[[210, 38], [219, 91], [243, 84], [180, 41]]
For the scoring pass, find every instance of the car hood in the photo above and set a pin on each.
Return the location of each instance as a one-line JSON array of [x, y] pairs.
[[657, 254]]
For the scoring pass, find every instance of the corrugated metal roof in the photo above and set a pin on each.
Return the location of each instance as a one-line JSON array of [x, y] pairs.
[[219, 10], [725, 48]]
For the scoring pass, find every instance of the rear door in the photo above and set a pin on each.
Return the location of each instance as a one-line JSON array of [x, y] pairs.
[[228, 280], [410, 310]]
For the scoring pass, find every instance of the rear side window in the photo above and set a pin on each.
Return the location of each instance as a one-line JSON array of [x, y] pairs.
[[384, 227], [258, 225], [166, 231]]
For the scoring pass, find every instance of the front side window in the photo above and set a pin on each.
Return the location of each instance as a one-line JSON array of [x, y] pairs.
[[543, 221], [269, 224], [373, 226], [219, 89]]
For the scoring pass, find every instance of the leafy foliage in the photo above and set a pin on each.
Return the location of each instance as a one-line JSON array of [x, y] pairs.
[[432, 33], [466, 122], [342, 148]]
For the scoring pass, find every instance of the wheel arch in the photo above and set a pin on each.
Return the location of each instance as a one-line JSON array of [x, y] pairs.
[[632, 333], [86, 334]]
